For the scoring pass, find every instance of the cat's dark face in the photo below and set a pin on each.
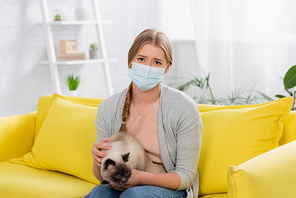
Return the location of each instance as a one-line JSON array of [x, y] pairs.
[[117, 170]]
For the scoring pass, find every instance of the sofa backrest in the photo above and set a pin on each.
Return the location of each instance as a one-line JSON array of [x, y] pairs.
[[289, 133], [44, 104], [289, 123]]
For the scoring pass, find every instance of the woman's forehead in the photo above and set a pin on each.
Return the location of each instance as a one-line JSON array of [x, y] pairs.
[[150, 50]]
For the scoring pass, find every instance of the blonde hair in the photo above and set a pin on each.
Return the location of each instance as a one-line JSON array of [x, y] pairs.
[[148, 36]]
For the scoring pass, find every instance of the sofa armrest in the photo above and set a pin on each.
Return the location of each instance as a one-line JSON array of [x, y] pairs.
[[271, 174], [16, 135]]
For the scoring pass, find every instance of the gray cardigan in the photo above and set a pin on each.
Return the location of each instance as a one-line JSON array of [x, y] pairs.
[[179, 132]]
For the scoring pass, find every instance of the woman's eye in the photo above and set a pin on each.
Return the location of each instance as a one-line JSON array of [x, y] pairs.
[[158, 63], [141, 59]]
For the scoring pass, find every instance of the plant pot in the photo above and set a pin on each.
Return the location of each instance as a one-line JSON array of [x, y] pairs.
[[93, 54], [72, 93]]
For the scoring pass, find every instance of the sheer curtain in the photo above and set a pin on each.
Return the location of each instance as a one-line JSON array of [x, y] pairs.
[[245, 42]]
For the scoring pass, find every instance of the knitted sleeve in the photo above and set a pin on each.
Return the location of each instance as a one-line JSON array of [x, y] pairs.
[[108, 119], [182, 136]]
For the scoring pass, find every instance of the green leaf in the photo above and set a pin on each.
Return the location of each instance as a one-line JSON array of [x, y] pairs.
[[93, 46], [280, 96], [265, 96], [73, 82], [290, 78]]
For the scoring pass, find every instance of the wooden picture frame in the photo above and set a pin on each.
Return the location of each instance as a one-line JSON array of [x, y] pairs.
[[68, 46]]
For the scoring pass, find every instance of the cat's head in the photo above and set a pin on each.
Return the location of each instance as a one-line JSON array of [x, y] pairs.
[[116, 168]]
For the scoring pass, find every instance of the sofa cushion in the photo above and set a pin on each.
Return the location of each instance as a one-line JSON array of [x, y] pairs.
[[16, 135], [289, 133], [232, 135], [271, 174], [65, 140], [207, 108], [223, 195], [26, 182], [45, 102]]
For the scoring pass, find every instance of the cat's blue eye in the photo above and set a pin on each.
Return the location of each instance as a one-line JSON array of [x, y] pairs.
[[115, 175], [127, 172]]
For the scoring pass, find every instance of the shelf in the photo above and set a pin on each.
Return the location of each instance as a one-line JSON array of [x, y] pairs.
[[79, 62], [78, 22], [48, 25]]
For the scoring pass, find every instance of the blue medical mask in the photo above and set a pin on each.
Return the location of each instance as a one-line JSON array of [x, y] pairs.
[[146, 77]]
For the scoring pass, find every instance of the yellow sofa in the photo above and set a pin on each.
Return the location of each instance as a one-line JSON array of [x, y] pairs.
[[247, 151]]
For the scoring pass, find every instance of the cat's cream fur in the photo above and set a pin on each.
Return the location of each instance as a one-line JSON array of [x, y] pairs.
[[124, 143]]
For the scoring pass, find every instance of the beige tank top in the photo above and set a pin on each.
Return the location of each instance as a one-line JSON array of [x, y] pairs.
[[145, 129]]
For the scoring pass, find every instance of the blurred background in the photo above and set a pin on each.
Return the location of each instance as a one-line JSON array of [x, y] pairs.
[[243, 45]]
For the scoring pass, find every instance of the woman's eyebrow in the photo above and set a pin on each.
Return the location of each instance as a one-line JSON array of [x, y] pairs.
[[158, 59]]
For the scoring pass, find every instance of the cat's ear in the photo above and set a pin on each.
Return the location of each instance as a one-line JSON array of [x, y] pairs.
[[109, 162], [125, 156]]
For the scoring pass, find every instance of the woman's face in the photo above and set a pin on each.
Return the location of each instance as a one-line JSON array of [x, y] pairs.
[[153, 56]]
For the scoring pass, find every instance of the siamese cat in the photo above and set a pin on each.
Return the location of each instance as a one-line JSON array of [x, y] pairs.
[[125, 154]]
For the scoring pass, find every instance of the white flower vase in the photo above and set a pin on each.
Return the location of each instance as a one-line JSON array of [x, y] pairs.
[[72, 93], [93, 54]]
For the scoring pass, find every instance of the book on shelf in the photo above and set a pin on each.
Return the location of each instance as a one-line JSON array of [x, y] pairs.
[[70, 59], [74, 54], [70, 56]]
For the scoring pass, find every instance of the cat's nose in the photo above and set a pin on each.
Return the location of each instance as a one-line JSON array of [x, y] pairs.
[[123, 180]]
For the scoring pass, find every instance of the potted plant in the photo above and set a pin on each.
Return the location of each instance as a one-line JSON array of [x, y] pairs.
[[73, 83], [93, 51], [239, 96], [289, 82], [57, 15]]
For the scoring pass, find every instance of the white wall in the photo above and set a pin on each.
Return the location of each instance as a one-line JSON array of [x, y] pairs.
[[22, 45]]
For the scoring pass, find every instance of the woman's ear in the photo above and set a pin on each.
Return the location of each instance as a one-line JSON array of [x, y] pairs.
[[167, 68]]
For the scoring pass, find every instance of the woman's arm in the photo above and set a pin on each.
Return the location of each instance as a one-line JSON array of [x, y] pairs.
[[97, 171], [181, 137], [167, 180], [99, 155]]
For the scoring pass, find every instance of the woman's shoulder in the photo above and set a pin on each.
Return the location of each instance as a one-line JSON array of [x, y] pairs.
[[113, 101], [172, 96], [177, 106]]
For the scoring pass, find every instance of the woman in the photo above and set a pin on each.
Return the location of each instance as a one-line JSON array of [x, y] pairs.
[[165, 121]]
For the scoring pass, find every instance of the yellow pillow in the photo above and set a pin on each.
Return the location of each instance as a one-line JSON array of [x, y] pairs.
[[233, 136], [65, 140], [289, 134], [16, 135], [271, 175], [45, 102]]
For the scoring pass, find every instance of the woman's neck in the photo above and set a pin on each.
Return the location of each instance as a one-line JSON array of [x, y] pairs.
[[144, 98]]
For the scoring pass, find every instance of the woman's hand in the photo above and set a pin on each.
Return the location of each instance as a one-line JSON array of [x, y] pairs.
[[98, 155], [134, 180]]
